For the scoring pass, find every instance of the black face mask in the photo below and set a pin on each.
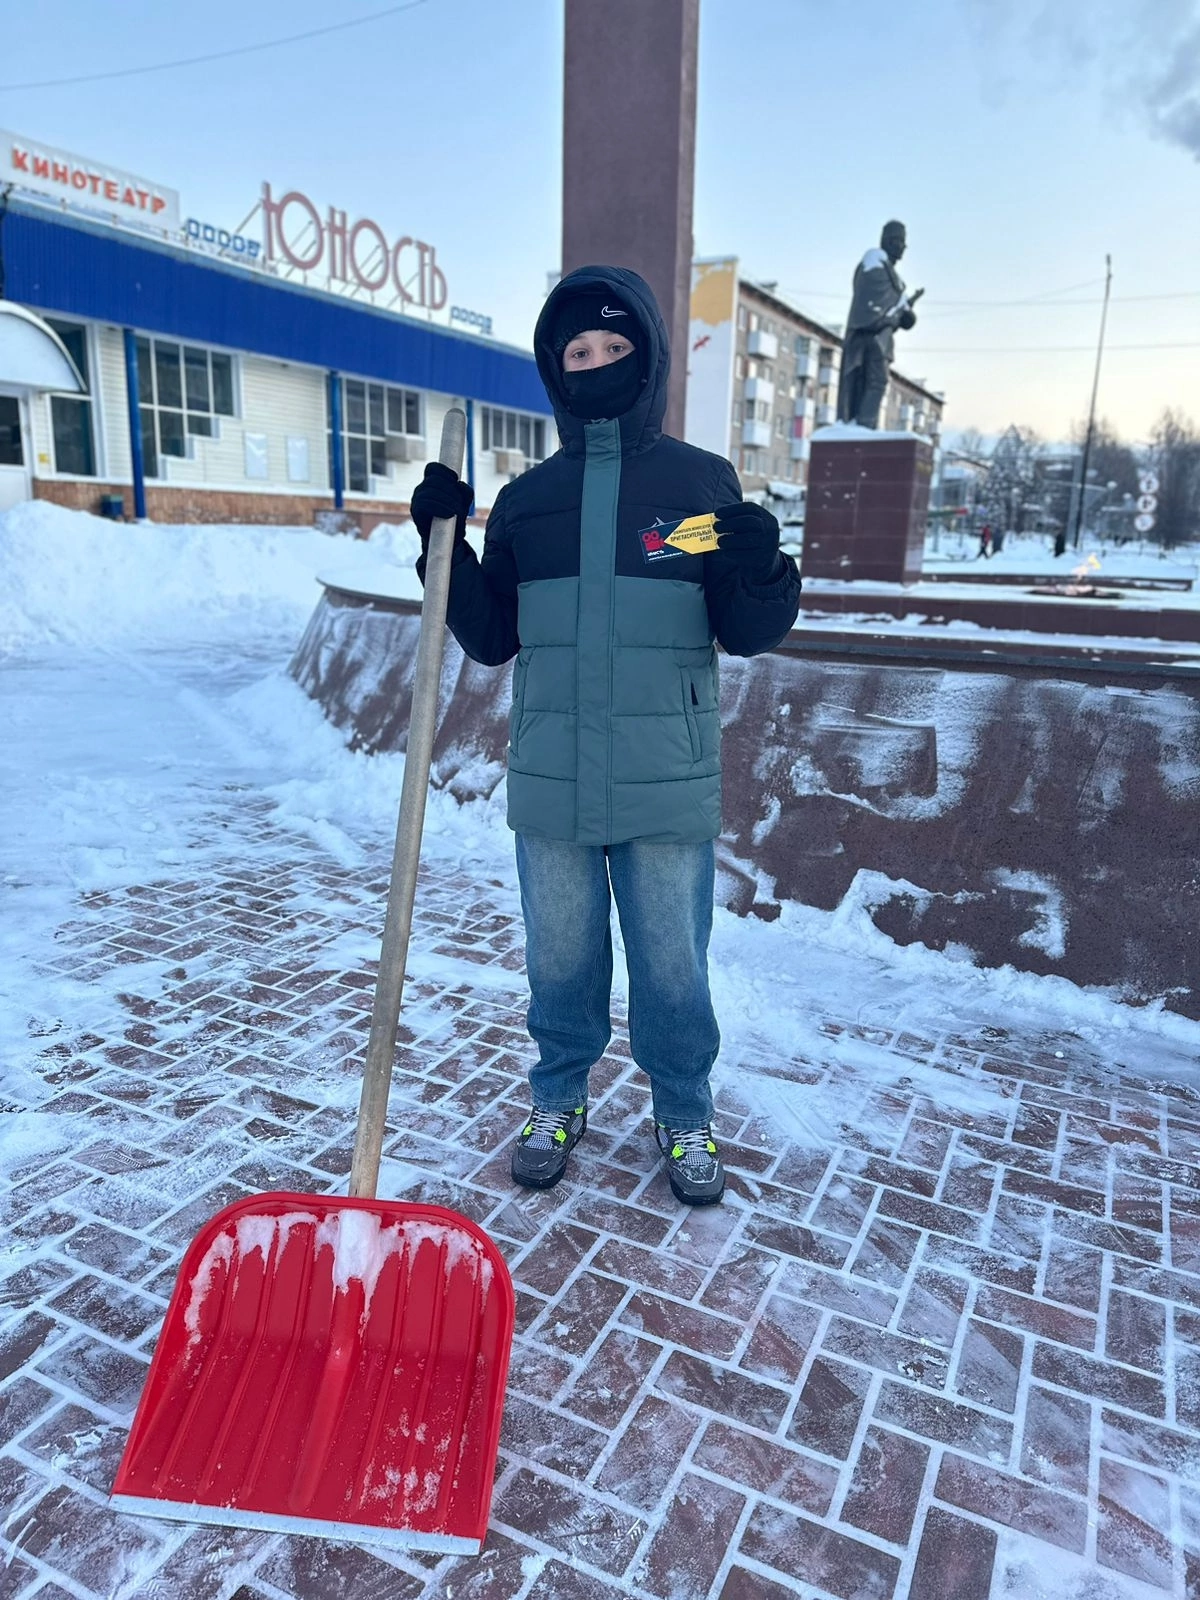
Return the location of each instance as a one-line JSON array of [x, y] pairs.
[[606, 391]]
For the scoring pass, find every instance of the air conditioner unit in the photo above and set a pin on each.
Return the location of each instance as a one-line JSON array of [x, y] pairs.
[[510, 460], [400, 447]]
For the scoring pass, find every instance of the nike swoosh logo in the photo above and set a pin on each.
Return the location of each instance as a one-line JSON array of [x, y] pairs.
[[605, 312]]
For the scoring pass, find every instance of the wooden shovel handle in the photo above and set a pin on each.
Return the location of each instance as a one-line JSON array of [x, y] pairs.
[[389, 986]]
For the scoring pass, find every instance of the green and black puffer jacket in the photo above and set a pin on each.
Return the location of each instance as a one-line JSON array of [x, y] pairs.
[[615, 727]]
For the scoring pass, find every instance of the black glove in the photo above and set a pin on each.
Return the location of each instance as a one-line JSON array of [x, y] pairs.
[[441, 494], [750, 534]]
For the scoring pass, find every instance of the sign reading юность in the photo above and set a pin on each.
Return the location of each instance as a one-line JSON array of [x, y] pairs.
[[357, 253], [348, 254]]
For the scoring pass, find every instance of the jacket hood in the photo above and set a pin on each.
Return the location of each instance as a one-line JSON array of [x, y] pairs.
[[641, 426]]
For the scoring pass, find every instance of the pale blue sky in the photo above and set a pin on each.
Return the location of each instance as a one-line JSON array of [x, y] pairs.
[[1017, 151]]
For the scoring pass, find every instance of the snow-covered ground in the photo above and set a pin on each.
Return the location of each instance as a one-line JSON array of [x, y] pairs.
[[152, 736], [1027, 553]]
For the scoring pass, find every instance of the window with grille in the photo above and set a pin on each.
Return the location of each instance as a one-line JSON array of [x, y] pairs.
[[512, 430], [182, 390], [371, 414]]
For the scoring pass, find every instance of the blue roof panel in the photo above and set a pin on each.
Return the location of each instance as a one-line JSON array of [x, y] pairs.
[[69, 267]]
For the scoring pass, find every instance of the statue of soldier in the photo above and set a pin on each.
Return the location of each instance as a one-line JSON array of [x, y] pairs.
[[881, 304]]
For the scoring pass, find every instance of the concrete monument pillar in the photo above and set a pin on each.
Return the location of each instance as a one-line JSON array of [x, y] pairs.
[[629, 144]]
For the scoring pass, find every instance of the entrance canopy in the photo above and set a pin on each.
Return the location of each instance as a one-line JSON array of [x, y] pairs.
[[32, 356]]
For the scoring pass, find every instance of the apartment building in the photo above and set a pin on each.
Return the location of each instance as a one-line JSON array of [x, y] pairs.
[[763, 377], [785, 372], [909, 407]]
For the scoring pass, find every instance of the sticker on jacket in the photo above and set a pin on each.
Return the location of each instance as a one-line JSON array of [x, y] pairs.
[[687, 536]]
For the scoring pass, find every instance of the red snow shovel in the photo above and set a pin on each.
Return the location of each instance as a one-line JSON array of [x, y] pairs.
[[329, 1366]]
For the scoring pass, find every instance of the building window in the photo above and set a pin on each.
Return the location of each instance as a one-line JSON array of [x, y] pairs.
[[803, 345], [780, 427], [12, 453], [373, 413], [739, 367], [71, 417], [737, 411], [513, 430], [182, 389]]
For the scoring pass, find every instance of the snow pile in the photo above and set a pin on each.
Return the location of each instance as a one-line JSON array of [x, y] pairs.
[[399, 543], [72, 577], [342, 799]]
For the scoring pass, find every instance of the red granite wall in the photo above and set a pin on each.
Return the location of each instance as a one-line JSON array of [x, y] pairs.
[[1042, 818]]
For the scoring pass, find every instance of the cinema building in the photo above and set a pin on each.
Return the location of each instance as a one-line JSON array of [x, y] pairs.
[[229, 378]]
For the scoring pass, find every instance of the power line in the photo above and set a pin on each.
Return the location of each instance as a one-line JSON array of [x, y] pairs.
[[1033, 349], [1034, 301], [216, 55], [1038, 299], [955, 308]]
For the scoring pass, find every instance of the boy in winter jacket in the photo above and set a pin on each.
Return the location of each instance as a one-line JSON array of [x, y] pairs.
[[614, 771]]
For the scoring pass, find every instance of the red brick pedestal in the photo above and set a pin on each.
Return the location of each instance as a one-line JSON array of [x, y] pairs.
[[868, 494]]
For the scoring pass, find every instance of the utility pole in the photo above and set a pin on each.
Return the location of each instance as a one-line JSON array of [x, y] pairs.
[[1087, 443]]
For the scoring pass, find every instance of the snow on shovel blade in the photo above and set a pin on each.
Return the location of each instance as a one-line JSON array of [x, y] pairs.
[[328, 1366]]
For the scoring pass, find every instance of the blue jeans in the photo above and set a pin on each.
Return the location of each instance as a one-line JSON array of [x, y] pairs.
[[664, 896]]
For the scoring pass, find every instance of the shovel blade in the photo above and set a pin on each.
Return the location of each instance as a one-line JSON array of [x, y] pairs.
[[328, 1366]]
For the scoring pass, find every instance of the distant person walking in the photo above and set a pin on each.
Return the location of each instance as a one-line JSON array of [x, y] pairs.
[[985, 540]]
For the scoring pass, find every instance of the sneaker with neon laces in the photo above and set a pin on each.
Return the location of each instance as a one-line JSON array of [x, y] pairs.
[[543, 1145], [694, 1166]]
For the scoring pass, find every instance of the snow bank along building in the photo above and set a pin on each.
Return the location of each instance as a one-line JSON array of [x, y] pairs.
[[763, 377], [298, 366]]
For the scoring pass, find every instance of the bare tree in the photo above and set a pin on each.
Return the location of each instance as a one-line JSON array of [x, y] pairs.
[[1112, 461], [972, 445], [1010, 490], [1176, 457]]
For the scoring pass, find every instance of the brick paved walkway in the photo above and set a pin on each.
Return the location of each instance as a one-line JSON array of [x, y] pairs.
[[949, 1355]]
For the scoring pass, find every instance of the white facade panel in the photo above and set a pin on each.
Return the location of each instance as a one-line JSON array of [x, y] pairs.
[[110, 412], [711, 347], [43, 440]]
